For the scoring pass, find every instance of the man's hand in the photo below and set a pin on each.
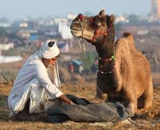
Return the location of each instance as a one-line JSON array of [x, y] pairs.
[[66, 100], [72, 103]]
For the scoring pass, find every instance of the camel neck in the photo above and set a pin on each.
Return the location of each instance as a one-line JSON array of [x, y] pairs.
[[106, 49], [106, 53]]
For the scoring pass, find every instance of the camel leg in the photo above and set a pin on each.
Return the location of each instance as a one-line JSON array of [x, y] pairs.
[[99, 94], [131, 104], [145, 102], [146, 108], [100, 87]]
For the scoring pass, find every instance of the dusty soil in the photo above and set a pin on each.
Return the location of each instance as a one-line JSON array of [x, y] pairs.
[[87, 90]]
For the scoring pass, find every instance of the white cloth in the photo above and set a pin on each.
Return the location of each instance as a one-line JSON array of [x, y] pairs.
[[33, 82], [47, 51]]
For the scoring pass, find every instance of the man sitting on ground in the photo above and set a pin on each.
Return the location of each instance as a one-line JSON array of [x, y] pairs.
[[33, 88]]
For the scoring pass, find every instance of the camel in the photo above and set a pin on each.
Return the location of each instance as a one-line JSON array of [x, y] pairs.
[[124, 73]]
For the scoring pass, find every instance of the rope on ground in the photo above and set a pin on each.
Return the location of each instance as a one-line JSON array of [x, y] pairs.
[[84, 53]]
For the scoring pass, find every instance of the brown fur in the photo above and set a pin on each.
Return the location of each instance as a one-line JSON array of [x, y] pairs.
[[134, 76], [131, 81]]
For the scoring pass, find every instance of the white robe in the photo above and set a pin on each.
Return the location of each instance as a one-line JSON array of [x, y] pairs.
[[33, 82]]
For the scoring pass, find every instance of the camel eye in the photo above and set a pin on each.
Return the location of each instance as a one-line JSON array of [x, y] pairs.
[[98, 24]]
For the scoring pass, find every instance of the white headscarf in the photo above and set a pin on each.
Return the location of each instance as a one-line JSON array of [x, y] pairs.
[[49, 50]]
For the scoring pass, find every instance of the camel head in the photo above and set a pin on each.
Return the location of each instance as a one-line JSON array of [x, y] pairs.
[[93, 29]]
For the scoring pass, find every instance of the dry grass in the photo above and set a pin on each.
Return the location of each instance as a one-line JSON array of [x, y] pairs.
[[149, 121]]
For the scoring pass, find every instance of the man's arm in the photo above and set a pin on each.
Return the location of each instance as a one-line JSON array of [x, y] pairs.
[[45, 82]]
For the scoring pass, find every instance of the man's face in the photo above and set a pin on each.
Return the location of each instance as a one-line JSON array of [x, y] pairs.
[[52, 61], [49, 62]]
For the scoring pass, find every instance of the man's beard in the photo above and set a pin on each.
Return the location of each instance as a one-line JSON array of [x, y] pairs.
[[51, 65]]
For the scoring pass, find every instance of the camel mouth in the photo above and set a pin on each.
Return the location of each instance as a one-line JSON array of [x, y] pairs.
[[76, 32], [75, 29]]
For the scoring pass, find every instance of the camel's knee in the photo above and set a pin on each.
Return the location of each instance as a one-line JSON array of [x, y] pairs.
[[147, 104], [145, 101], [144, 104], [143, 110], [148, 97]]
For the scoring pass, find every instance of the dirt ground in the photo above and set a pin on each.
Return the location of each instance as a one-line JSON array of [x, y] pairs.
[[87, 90]]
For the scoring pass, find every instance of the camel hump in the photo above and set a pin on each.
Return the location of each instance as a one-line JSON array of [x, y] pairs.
[[129, 36]]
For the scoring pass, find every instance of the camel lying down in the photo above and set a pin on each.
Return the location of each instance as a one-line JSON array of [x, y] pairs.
[[123, 72]]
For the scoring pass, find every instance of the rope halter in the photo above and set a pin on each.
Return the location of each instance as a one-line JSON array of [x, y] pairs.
[[105, 61]]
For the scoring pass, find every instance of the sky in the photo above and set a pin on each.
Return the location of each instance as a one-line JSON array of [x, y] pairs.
[[14, 9]]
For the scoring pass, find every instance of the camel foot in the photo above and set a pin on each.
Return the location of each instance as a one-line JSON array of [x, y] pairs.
[[130, 111], [101, 96]]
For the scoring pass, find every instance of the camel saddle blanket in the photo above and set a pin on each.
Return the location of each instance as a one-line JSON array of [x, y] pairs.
[[86, 111]]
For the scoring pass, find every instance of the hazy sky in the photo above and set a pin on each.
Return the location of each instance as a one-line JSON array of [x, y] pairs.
[[14, 9]]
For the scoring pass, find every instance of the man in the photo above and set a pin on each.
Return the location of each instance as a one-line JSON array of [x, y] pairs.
[[33, 89]]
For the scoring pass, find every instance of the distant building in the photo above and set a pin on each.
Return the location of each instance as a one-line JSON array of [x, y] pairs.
[[4, 22], [155, 8], [23, 34], [5, 25], [23, 25], [64, 26], [71, 16], [64, 30], [121, 19], [64, 47], [4, 47], [142, 32], [8, 59], [59, 20], [33, 37], [158, 8]]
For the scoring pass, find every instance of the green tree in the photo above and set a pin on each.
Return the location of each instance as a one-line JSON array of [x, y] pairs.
[[133, 18], [3, 31], [118, 26], [88, 61]]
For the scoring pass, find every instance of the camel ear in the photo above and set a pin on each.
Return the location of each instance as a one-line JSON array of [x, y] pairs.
[[111, 20], [102, 14]]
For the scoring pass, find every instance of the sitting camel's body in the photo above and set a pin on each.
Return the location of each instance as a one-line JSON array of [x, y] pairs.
[[124, 73]]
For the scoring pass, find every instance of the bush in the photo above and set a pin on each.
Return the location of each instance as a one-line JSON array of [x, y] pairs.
[[88, 61], [8, 76], [64, 74]]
